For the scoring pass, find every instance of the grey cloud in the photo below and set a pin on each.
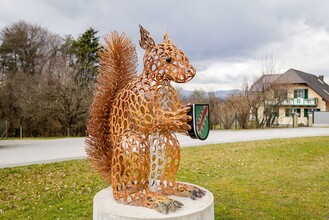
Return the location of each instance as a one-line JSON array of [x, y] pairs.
[[204, 30], [216, 78]]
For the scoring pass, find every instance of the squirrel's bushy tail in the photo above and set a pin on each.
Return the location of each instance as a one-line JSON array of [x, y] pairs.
[[118, 62]]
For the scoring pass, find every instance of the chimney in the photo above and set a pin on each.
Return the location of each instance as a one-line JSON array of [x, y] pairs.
[[321, 78]]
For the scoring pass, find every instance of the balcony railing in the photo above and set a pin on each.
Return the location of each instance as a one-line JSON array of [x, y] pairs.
[[300, 102]]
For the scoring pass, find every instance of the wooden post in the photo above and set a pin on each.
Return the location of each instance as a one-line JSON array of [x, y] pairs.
[[6, 124]]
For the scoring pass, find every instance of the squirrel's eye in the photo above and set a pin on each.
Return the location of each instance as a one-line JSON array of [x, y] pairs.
[[168, 60]]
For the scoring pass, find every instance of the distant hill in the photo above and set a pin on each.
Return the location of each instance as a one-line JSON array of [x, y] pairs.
[[225, 93], [219, 93]]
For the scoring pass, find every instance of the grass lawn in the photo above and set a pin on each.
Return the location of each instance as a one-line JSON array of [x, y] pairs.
[[274, 179]]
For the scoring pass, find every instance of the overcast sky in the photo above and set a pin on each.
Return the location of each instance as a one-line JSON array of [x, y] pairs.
[[226, 41]]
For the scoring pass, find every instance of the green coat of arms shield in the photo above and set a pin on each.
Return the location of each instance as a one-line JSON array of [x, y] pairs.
[[200, 121]]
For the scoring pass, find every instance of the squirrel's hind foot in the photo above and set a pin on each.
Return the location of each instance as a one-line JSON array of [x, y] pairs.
[[163, 204], [167, 205]]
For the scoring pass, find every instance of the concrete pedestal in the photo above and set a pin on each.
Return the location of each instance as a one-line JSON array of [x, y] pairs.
[[106, 208]]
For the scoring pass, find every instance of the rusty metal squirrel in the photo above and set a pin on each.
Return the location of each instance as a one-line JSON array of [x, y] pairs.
[[131, 137]]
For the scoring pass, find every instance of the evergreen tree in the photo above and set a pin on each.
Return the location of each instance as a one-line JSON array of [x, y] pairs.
[[86, 49]]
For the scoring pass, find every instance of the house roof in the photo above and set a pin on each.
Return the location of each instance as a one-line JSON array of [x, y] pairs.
[[264, 82], [293, 76]]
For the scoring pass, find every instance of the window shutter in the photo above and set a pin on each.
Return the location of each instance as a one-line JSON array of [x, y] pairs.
[[305, 112], [295, 93], [305, 93]]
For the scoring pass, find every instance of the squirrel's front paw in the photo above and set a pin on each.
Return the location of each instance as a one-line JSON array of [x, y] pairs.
[[182, 119], [186, 190], [184, 110]]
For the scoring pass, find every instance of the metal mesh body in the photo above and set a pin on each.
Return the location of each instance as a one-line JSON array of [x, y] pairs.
[[140, 153]]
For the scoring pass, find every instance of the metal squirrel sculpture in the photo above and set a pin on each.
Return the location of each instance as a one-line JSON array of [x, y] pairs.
[[131, 137]]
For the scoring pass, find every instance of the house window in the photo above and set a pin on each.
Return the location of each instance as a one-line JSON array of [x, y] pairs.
[[290, 111], [301, 93]]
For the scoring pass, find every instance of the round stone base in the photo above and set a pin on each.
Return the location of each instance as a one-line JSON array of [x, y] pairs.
[[106, 208]]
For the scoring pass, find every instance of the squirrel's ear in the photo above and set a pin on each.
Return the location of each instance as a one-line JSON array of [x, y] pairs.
[[166, 39], [146, 41]]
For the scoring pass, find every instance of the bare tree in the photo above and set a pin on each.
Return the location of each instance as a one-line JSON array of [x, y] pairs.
[[240, 103], [46, 81], [27, 48], [72, 100], [26, 51], [227, 113], [214, 110], [265, 95]]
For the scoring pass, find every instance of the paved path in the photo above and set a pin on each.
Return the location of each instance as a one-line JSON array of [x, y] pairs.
[[24, 152]]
